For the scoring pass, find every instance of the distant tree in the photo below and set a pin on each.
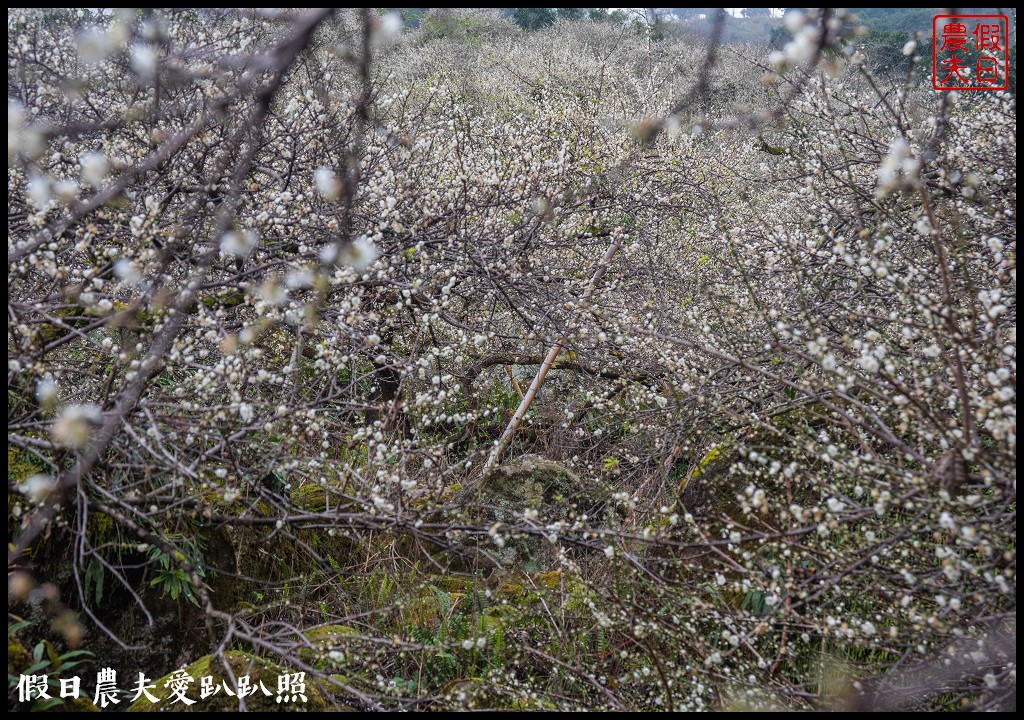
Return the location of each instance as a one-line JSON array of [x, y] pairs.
[[779, 37], [411, 17], [571, 13], [533, 18]]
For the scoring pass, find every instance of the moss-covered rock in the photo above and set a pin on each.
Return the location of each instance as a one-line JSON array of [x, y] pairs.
[[322, 641], [241, 664], [317, 498]]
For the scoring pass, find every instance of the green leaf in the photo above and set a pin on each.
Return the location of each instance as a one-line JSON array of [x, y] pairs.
[[52, 654], [18, 626], [36, 667]]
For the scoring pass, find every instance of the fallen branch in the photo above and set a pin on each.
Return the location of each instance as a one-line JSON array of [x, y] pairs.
[[549, 360]]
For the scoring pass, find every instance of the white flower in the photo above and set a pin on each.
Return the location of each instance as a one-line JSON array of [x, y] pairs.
[[327, 184], [66, 190], [46, 394], [245, 412], [609, 551], [38, 487], [239, 243], [299, 279], [74, 426], [328, 254], [387, 28], [361, 254], [869, 363], [889, 171], [94, 168], [39, 191], [794, 21], [803, 46], [143, 60], [495, 536], [94, 45], [909, 47], [127, 271]]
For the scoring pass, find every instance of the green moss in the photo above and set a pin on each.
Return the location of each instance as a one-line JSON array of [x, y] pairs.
[[315, 498], [430, 611], [70, 317], [258, 670], [464, 584], [550, 580], [227, 298], [310, 497], [81, 704], [100, 526], [510, 590], [326, 634], [18, 658], [322, 641], [21, 465], [139, 319]]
